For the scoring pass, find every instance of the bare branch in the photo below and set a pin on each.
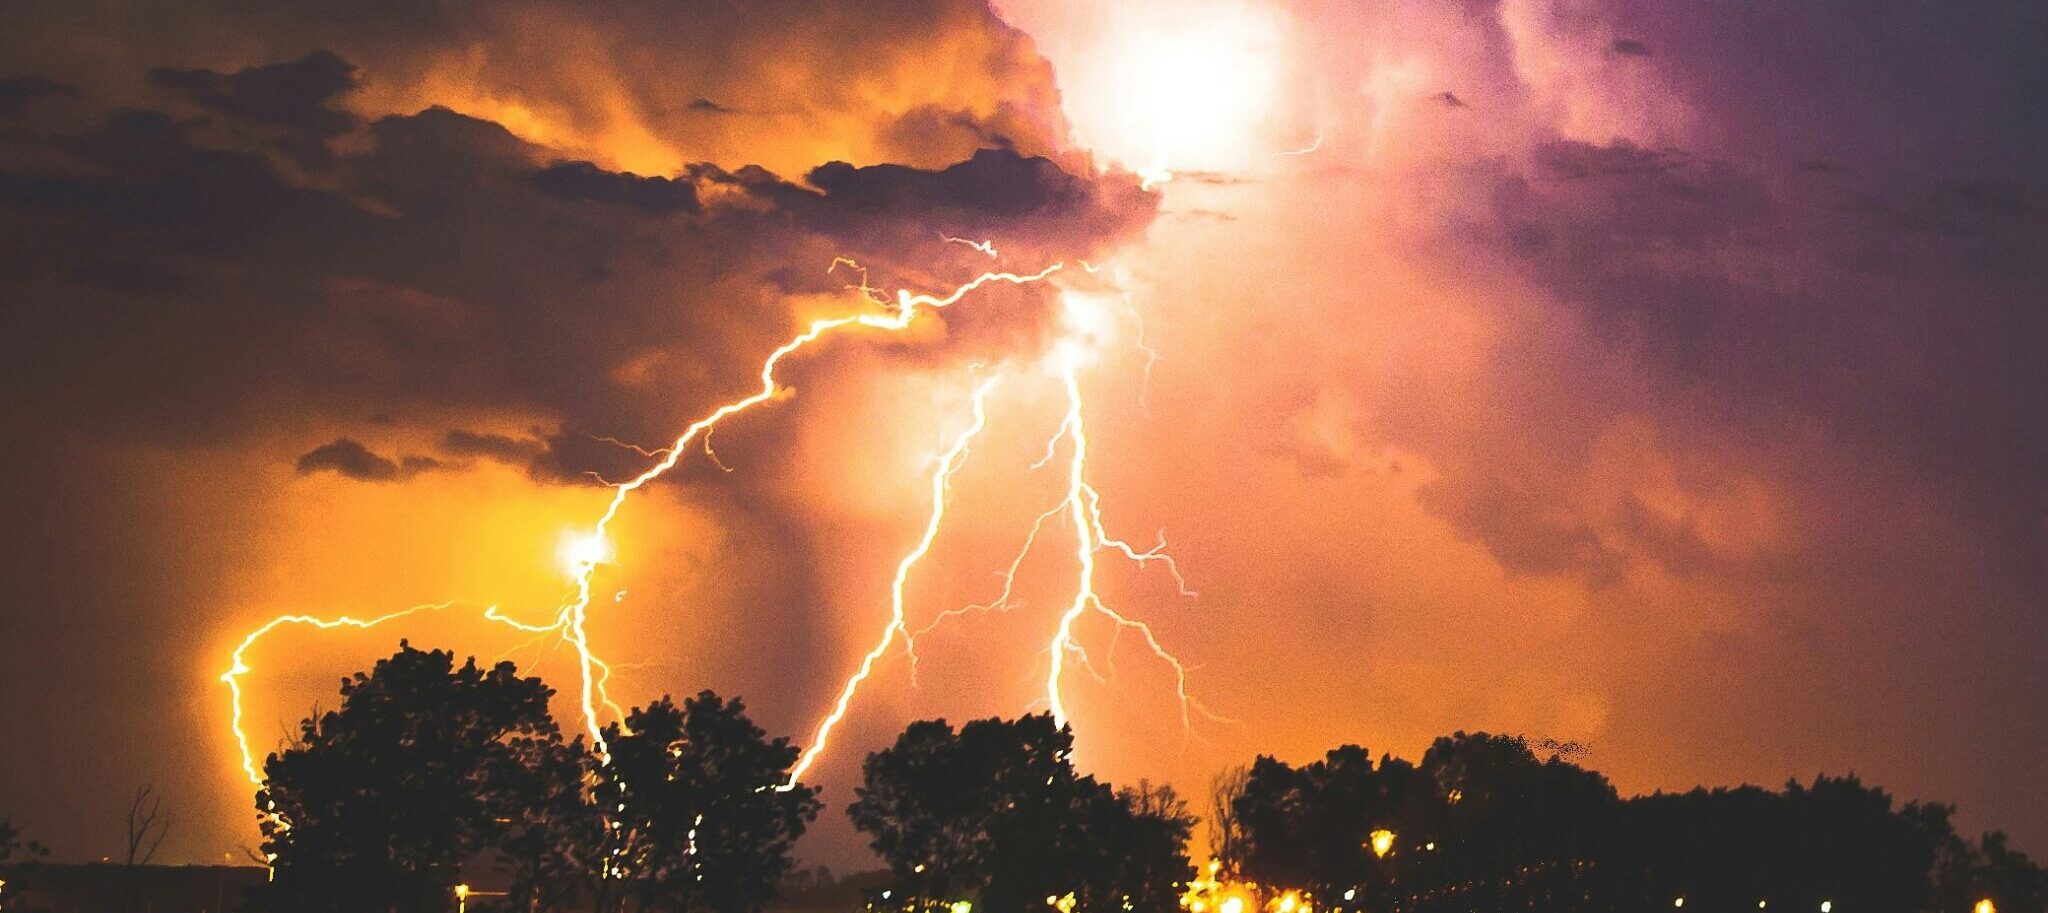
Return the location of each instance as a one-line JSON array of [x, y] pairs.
[[148, 825]]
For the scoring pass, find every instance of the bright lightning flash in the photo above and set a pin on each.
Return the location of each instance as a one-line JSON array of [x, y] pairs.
[[1088, 326], [583, 552], [1183, 87]]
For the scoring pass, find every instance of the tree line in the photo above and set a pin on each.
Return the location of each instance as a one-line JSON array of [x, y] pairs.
[[427, 769], [1484, 822]]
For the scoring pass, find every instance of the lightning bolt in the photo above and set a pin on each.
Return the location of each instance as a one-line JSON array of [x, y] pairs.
[[986, 247], [941, 478], [1081, 505]]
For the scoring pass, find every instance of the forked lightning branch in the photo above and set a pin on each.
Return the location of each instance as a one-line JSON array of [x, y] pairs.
[[1087, 323]]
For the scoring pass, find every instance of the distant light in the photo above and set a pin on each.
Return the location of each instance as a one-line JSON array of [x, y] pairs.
[[1985, 906], [1680, 902], [961, 906], [1382, 842], [1289, 901], [1762, 904], [1430, 846], [919, 868], [1350, 893], [1827, 906], [1235, 904]]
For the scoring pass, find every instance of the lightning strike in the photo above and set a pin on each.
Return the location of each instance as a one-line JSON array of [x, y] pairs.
[[941, 478], [1084, 546], [985, 246], [1313, 145], [583, 553], [1003, 601]]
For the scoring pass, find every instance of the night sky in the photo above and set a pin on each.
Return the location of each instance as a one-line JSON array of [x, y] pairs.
[[1661, 377]]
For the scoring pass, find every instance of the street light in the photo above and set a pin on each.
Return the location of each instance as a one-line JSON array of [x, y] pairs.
[[461, 898], [1986, 906]]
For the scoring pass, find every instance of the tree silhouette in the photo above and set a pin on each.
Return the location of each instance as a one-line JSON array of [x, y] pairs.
[[148, 825], [1483, 823], [13, 849], [1313, 827], [995, 814], [1136, 849], [699, 818], [1517, 830], [1990, 869], [17, 857], [1226, 832], [422, 768], [551, 842], [2006, 876]]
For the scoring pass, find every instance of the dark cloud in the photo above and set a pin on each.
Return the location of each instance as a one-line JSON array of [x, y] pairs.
[[517, 451], [1807, 302], [996, 182], [1525, 533], [17, 91], [1573, 160], [585, 181], [628, 87], [445, 264], [349, 458], [295, 95], [1911, 90], [939, 126]]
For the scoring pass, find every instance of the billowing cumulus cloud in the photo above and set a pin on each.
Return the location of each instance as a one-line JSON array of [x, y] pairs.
[[646, 85]]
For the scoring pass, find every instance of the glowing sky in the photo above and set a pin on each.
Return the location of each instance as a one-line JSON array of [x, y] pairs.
[[1661, 377]]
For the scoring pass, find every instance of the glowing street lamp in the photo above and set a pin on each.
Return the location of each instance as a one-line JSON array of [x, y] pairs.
[[461, 898], [1985, 906]]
